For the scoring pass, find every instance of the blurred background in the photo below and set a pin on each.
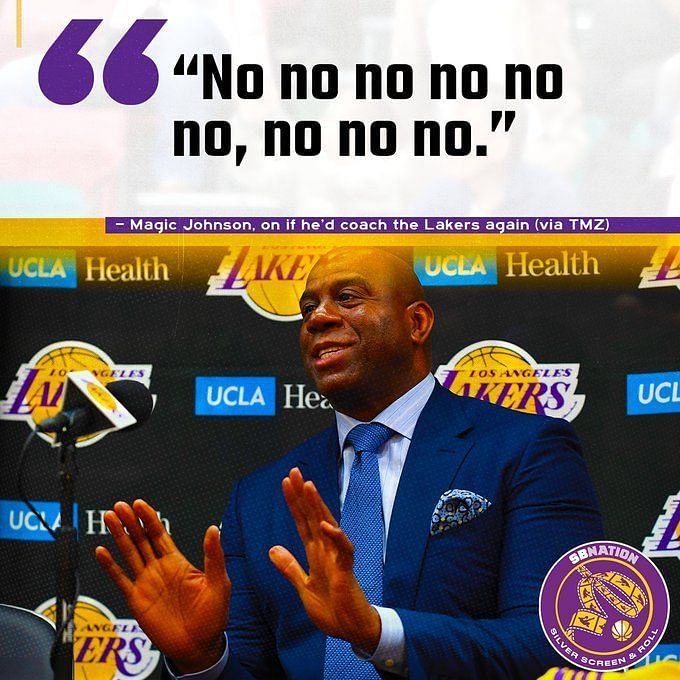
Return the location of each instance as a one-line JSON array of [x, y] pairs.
[[610, 145]]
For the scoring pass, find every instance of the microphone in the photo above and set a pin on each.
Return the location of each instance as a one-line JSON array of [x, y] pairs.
[[84, 417], [136, 398]]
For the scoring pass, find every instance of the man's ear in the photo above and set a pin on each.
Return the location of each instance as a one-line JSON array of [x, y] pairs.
[[422, 318]]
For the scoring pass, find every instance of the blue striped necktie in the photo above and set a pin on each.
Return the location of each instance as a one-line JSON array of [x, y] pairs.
[[362, 521]]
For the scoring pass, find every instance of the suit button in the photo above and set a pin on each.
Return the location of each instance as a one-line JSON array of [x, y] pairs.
[[389, 663]]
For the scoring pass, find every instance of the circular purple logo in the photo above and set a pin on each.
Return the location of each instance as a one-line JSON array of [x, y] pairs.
[[604, 606]]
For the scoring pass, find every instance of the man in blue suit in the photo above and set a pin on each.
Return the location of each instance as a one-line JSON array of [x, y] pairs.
[[415, 532]]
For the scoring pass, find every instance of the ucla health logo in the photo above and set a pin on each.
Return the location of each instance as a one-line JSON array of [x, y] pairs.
[[653, 393], [235, 396], [106, 647], [665, 538], [664, 269], [455, 267], [19, 523], [270, 279], [38, 268], [38, 389], [604, 606], [507, 375]]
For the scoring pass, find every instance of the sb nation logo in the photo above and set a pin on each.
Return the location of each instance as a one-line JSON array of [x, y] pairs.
[[507, 375], [37, 391], [106, 647], [269, 279], [604, 606]]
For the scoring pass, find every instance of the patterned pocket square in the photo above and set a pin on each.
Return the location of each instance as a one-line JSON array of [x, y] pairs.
[[455, 507]]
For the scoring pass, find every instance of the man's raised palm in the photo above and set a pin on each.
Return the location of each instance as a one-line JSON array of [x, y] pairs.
[[182, 609]]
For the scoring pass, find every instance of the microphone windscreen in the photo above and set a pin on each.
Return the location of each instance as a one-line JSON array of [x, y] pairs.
[[136, 398]]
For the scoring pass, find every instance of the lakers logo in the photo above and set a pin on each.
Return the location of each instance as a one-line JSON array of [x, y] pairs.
[[665, 538], [604, 606], [507, 375], [101, 396], [270, 279], [106, 647], [664, 269], [38, 390]]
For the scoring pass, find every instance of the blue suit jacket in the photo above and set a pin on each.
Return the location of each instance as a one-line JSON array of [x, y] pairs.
[[468, 598]]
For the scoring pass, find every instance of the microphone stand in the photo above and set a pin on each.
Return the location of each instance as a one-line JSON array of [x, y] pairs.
[[67, 560]]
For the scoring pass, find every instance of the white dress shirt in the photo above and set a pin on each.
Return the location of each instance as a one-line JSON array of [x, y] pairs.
[[401, 416]]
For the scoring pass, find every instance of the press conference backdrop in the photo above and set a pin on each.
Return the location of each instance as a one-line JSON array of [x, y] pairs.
[[587, 330]]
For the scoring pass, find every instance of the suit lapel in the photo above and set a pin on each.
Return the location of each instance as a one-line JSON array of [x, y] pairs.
[[434, 456], [321, 466]]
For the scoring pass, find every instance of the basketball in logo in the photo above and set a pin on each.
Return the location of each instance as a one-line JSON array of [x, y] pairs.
[[278, 298], [622, 630], [475, 368]]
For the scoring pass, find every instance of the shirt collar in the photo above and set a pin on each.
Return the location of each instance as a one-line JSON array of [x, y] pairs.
[[401, 415]]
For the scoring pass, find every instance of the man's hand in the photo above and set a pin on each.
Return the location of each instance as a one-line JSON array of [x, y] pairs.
[[182, 609], [330, 592]]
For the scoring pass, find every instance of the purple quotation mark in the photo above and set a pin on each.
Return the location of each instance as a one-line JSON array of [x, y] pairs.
[[64, 76], [130, 77]]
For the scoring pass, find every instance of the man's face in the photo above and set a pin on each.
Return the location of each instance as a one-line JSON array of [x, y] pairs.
[[355, 334]]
